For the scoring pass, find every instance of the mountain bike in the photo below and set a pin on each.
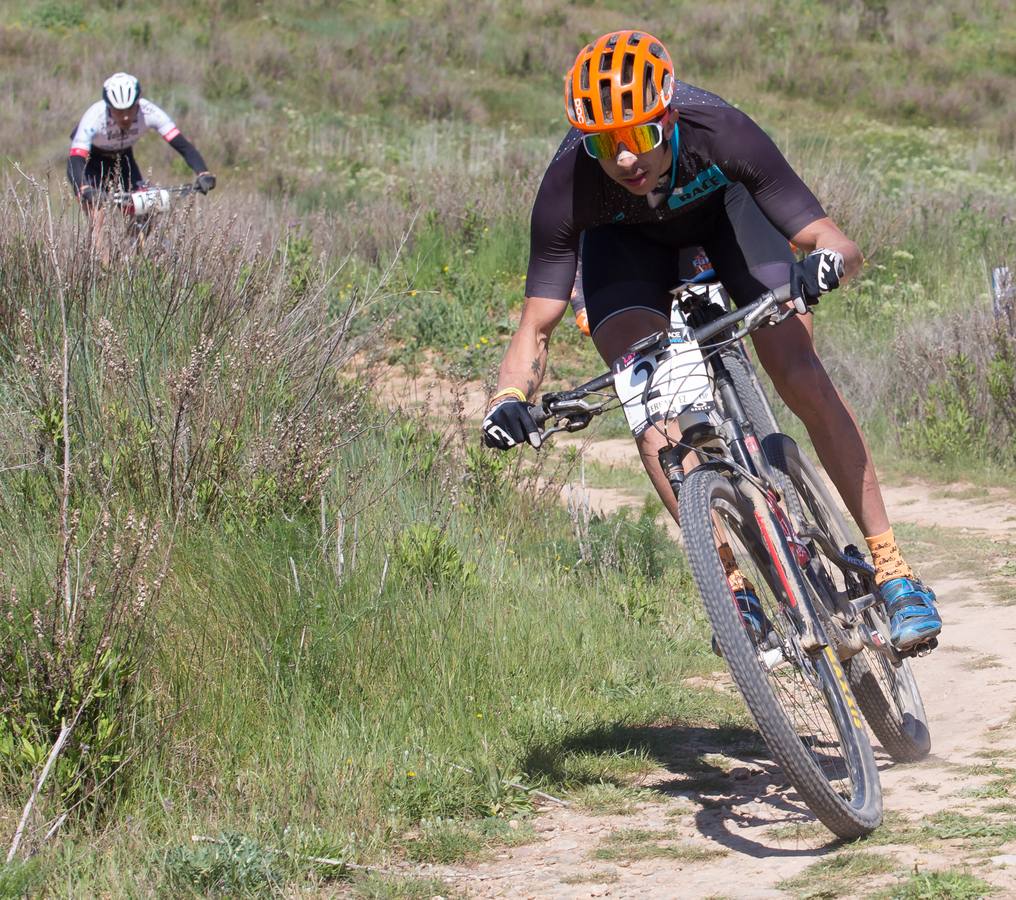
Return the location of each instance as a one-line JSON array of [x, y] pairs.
[[823, 625], [141, 209], [882, 681]]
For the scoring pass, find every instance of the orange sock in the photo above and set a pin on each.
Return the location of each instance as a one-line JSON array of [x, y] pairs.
[[887, 559], [735, 578]]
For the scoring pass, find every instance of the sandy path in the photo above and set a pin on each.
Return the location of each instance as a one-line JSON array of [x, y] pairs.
[[748, 817], [752, 818]]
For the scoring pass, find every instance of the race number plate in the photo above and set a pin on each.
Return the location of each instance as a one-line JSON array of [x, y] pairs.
[[677, 378], [155, 200]]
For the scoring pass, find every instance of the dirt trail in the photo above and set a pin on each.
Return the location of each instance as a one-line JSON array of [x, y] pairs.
[[740, 831], [750, 821]]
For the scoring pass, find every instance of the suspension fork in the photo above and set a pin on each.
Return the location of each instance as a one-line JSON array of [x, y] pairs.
[[743, 443], [787, 565]]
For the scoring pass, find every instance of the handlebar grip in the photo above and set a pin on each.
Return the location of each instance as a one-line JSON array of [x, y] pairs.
[[782, 293]]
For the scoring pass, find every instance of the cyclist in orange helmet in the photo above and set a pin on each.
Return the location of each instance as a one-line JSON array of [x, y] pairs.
[[651, 167]]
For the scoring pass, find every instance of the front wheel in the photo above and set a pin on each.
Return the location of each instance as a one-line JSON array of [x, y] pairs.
[[801, 702]]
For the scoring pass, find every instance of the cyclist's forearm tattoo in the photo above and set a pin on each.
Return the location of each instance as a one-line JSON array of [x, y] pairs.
[[537, 367]]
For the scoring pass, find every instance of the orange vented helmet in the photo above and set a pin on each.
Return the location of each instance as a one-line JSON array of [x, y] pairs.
[[622, 78]]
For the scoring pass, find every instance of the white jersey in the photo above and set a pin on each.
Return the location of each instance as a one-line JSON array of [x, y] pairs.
[[98, 131]]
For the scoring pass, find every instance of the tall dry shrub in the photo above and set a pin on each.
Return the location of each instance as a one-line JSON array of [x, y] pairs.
[[204, 379], [954, 390], [205, 374]]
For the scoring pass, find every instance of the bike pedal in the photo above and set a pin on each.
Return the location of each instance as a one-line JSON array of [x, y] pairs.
[[919, 650]]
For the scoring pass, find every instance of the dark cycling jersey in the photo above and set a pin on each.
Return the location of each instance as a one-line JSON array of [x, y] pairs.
[[715, 146]]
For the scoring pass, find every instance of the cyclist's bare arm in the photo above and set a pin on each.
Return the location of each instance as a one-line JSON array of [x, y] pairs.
[[825, 233], [525, 361]]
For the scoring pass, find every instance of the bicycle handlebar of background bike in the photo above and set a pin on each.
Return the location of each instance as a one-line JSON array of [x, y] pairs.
[[122, 198]]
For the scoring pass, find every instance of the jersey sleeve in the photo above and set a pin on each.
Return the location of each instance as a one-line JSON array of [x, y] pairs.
[[748, 155], [157, 119], [554, 234], [84, 134]]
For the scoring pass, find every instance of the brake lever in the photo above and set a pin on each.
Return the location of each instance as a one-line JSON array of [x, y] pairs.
[[764, 314], [569, 425]]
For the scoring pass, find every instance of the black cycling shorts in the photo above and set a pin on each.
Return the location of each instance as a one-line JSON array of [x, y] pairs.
[[636, 266], [119, 171]]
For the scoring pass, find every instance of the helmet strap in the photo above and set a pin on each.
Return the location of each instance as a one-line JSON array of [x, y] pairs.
[[675, 144]]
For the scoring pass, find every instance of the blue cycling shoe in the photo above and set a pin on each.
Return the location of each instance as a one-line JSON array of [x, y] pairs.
[[913, 619], [753, 617]]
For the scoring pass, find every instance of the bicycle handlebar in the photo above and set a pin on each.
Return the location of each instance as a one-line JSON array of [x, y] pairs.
[[125, 198], [571, 405]]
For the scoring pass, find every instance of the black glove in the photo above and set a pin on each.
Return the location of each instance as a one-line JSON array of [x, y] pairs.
[[818, 273], [92, 196], [206, 181], [510, 423]]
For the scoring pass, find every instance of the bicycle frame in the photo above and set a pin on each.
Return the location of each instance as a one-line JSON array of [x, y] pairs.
[[743, 459]]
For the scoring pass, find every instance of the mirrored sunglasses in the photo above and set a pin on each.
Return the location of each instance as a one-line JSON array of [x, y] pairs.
[[637, 139]]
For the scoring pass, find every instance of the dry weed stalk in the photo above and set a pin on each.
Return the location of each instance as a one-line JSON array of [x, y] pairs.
[[80, 643], [204, 379]]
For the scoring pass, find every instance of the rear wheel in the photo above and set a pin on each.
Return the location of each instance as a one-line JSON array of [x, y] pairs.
[[800, 702], [885, 687]]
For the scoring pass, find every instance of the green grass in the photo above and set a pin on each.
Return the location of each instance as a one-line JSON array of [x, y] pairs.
[[799, 832], [610, 799], [942, 885], [837, 876], [445, 841], [386, 887], [596, 876]]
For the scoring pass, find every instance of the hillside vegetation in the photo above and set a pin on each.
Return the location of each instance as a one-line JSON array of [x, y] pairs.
[[357, 125], [305, 628]]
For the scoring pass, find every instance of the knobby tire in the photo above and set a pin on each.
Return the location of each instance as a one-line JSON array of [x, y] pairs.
[[802, 706]]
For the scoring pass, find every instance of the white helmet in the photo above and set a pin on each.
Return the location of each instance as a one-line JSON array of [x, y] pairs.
[[121, 91]]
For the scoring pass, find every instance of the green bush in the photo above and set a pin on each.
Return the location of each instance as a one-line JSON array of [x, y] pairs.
[[21, 879], [964, 411], [424, 555], [229, 866], [55, 15], [950, 429]]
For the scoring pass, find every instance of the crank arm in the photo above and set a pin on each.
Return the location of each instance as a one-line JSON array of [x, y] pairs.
[[859, 604]]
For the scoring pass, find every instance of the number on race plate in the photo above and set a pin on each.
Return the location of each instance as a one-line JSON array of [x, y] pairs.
[[678, 380], [155, 200]]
